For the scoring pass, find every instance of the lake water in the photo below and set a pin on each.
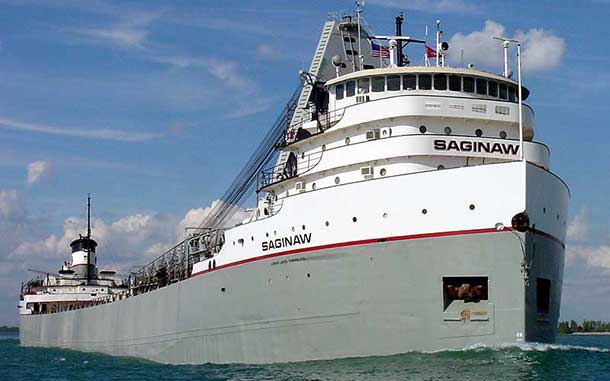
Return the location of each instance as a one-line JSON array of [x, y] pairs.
[[572, 358]]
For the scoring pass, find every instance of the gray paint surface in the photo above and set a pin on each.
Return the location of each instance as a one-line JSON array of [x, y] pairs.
[[375, 299]]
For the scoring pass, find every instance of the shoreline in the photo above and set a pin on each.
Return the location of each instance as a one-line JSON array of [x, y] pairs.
[[589, 333]]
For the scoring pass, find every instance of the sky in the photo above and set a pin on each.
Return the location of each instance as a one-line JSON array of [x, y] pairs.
[[154, 106]]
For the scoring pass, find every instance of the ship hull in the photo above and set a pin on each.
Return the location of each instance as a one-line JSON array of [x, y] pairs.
[[381, 294], [374, 299]]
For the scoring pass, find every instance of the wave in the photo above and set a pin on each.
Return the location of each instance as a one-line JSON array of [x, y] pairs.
[[532, 347]]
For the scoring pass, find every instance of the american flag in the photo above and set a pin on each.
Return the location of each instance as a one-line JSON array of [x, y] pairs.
[[378, 50]]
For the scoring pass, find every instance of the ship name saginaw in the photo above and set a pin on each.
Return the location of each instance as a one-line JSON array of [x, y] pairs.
[[475, 146], [278, 243]]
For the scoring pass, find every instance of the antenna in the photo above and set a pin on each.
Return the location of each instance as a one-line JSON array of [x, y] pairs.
[[399, 20], [505, 43], [360, 56], [88, 215]]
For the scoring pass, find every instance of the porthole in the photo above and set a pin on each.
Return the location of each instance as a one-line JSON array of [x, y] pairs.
[[223, 289], [347, 140], [422, 129], [293, 229], [543, 210], [503, 134], [233, 243], [385, 215], [275, 232], [384, 133], [447, 130], [266, 234], [424, 211], [303, 227], [382, 172], [440, 167], [478, 132], [303, 155], [252, 238], [337, 180], [354, 219], [313, 186], [471, 207], [323, 147], [326, 223], [308, 275]]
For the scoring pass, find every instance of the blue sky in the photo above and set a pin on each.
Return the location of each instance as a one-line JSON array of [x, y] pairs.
[[154, 107]]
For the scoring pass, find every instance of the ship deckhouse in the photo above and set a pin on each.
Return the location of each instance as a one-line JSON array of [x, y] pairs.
[[399, 120]]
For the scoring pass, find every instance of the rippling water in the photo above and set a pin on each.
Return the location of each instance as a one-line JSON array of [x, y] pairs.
[[572, 358]]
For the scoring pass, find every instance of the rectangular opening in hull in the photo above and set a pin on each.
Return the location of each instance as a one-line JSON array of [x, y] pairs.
[[543, 295], [465, 298], [468, 289]]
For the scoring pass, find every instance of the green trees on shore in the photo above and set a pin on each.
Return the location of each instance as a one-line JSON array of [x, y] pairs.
[[587, 326]]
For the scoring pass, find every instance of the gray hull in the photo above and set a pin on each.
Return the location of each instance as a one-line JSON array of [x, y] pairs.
[[372, 299]]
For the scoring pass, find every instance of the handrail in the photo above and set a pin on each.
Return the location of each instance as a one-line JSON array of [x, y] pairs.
[[176, 263], [284, 171]]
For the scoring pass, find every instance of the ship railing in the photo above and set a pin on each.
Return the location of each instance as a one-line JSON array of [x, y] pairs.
[[289, 169], [176, 264], [324, 120]]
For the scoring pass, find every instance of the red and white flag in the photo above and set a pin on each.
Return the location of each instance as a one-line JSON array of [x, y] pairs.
[[430, 53]]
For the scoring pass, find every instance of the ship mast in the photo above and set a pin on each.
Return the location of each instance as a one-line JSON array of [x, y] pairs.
[[88, 246]]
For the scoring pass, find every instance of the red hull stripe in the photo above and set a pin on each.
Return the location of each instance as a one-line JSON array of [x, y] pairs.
[[370, 241]]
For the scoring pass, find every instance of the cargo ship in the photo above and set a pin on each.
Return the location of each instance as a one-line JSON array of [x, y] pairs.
[[399, 207]]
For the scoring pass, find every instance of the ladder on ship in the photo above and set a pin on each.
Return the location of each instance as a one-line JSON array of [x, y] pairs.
[[314, 68]]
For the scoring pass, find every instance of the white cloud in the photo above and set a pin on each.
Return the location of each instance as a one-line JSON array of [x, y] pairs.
[[268, 52], [541, 50], [11, 206], [431, 6], [117, 35], [194, 217], [39, 170], [228, 72], [130, 31], [104, 134], [578, 227]]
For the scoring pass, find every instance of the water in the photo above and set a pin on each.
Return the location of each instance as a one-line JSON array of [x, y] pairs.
[[572, 358]]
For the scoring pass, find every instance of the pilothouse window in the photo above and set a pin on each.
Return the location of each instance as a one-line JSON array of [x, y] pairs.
[[493, 89], [455, 83], [378, 84], [363, 85], [481, 86], [408, 82], [350, 89], [468, 84], [503, 94], [339, 91], [425, 82], [440, 82], [511, 94], [393, 82]]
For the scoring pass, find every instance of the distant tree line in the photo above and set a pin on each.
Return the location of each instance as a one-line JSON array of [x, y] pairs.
[[587, 326], [8, 329]]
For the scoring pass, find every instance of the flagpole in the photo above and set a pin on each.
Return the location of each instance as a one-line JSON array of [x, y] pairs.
[[360, 56], [426, 59], [438, 28], [520, 100]]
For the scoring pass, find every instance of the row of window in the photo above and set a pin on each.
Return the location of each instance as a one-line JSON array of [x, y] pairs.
[[442, 82]]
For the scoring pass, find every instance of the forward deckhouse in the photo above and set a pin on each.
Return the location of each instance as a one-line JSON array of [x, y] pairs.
[[284, 242]]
